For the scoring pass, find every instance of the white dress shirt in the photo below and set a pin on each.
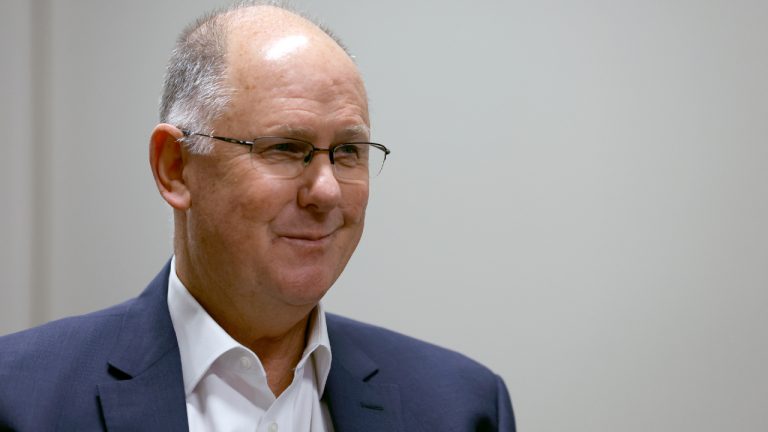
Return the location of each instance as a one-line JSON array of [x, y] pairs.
[[226, 384]]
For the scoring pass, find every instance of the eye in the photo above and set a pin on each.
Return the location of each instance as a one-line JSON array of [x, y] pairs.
[[286, 147], [280, 150], [350, 154]]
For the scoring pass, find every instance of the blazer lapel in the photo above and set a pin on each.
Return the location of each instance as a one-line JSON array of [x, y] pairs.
[[148, 390], [355, 400]]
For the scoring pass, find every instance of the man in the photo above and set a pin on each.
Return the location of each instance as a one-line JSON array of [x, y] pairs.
[[263, 155]]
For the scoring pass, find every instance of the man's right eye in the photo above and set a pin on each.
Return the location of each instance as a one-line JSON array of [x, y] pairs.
[[288, 147], [281, 152]]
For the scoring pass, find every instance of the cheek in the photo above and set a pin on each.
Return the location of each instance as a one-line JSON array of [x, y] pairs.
[[262, 200], [356, 201]]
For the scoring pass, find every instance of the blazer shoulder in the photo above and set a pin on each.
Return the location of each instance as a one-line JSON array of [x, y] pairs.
[[439, 389], [387, 347], [85, 334], [55, 344]]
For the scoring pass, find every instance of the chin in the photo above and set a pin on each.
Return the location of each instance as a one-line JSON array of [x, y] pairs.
[[305, 288]]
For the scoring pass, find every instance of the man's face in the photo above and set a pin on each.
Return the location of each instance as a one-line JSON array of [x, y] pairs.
[[276, 239]]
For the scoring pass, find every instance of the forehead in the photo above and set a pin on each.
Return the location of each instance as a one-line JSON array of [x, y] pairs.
[[291, 73], [259, 50], [265, 36]]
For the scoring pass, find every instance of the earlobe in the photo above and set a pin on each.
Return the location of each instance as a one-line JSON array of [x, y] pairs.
[[167, 162]]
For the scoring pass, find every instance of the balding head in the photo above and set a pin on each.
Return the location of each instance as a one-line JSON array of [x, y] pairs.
[[199, 86]]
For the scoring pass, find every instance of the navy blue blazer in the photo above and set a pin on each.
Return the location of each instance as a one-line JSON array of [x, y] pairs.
[[119, 370]]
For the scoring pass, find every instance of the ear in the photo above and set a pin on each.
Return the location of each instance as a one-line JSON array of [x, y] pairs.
[[167, 161]]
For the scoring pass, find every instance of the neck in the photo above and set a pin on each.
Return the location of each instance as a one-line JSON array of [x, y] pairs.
[[276, 333], [280, 355], [279, 347]]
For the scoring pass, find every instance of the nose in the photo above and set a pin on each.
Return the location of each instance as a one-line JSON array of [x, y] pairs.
[[320, 191]]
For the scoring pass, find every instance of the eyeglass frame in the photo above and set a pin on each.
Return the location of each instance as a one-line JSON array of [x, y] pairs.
[[307, 159]]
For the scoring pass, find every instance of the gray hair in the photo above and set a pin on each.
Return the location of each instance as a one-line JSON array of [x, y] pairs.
[[194, 93]]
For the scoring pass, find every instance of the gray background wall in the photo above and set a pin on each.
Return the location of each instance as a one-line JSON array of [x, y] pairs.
[[577, 195]]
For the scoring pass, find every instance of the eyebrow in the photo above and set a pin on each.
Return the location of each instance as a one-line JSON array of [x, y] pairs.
[[346, 134], [355, 131]]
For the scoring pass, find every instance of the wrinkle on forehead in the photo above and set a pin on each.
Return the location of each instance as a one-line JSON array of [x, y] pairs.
[[352, 132]]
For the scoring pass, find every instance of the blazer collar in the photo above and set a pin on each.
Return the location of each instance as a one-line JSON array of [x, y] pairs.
[[148, 390], [355, 398]]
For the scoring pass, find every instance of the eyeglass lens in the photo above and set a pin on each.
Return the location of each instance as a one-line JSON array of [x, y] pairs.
[[284, 157]]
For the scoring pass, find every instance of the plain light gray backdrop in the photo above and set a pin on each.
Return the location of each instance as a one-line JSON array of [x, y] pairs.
[[577, 195]]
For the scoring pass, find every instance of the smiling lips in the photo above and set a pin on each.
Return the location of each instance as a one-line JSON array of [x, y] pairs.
[[307, 239]]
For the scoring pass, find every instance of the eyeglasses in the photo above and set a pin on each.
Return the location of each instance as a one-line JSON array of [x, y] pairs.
[[287, 157]]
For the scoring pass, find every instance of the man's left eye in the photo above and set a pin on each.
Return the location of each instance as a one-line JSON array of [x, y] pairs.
[[348, 150]]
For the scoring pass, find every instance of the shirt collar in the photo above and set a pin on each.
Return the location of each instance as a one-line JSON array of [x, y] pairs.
[[202, 340]]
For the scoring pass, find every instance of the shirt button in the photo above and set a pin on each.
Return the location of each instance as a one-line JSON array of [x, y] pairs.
[[273, 427], [246, 362]]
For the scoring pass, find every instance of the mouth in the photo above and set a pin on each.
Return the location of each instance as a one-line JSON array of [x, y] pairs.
[[307, 239]]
